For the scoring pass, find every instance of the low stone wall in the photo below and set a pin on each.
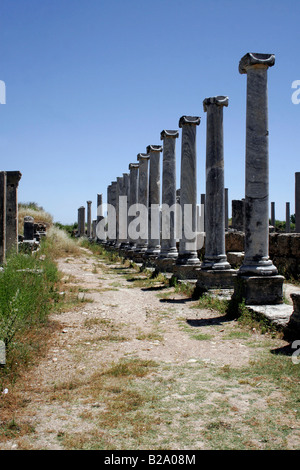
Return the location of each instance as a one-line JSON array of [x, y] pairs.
[[284, 250]]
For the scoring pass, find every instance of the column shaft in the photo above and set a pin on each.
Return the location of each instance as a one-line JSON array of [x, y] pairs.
[[188, 192], [215, 255], [154, 200], [256, 259], [168, 241]]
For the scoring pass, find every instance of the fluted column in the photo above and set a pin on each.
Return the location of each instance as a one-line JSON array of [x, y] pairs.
[[154, 201]]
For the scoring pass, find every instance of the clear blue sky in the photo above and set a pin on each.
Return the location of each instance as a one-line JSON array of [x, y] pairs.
[[91, 83]]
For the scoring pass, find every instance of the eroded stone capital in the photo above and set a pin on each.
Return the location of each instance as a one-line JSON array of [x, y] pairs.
[[217, 100], [194, 120], [154, 148], [165, 133], [133, 165], [89, 202], [256, 60], [13, 177], [143, 156]]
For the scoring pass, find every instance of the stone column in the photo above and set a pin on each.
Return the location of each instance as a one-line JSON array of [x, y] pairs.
[[112, 218], [13, 178], [133, 199], [188, 256], [257, 166], [238, 214], [118, 194], [257, 261], [287, 218], [273, 214], [123, 211], [81, 221], [215, 270], [168, 241], [297, 201], [154, 201], [202, 204], [99, 215], [143, 199], [215, 255], [3, 187], [89, 219]]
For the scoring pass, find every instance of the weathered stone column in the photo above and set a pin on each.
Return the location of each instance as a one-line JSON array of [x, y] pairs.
[[113, 214], [123, 211], [99, 215], [168, 242], [133, 199], [257, 165], [215, 255], [118, 194], [89, 219], [81, 221], [202, 204], [257, 261], [297, 201], [13, 178], [238, 214], [287, 218], [3, 188], [188, 256], [273, 214], [215, 270], [143, 200], [154, 201]]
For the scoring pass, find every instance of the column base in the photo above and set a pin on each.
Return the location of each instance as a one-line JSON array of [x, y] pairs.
[[165, 265], [216, 264], [215, 279], [188, 259], [185, 271], [260, 268], [259, 290]]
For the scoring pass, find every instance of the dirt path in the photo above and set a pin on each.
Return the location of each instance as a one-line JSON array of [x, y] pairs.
[[64, 403]]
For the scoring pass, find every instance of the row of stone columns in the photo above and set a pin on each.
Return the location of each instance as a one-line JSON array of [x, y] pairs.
[[257, 279], [9, 181]]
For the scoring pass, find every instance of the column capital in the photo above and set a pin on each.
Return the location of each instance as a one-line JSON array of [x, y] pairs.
[[165, 133], [217, 100], [13, 177], [256, 60], [133, 165], [143, 156], [192, 120], [89, 202], [154, 148]]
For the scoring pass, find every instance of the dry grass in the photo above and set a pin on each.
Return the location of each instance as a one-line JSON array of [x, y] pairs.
[[58, 244], [40, 216]]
